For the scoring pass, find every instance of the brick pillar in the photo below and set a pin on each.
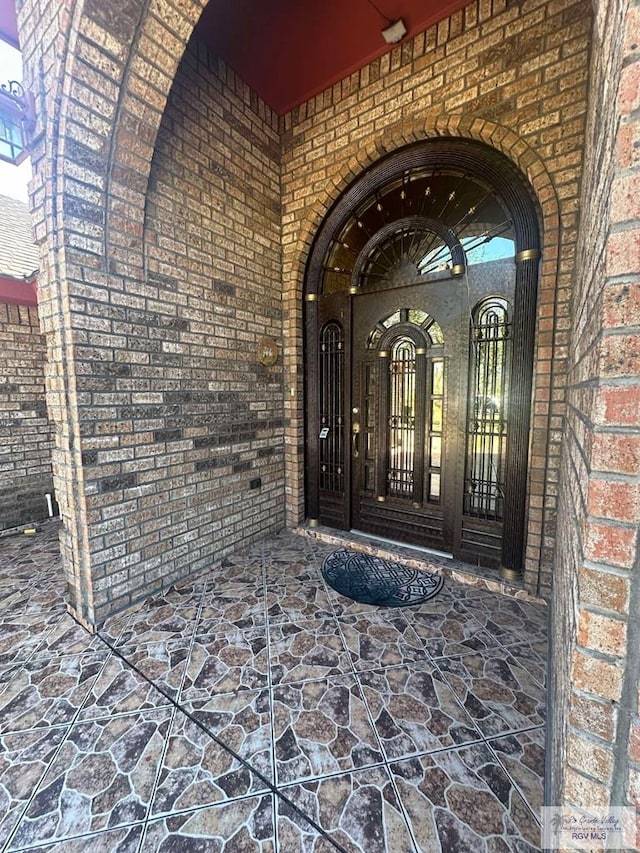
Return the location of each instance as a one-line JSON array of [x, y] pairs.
[[94, 69], [595, 758]]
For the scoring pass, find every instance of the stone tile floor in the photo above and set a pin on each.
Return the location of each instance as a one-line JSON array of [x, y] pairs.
[[255, 709]]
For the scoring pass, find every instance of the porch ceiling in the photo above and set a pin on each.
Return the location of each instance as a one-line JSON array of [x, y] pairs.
[[289, 50]]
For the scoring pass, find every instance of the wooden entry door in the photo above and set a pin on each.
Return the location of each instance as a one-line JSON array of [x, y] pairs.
[[415, 387]]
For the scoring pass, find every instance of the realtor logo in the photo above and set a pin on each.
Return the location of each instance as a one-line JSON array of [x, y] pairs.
[[566, 828]]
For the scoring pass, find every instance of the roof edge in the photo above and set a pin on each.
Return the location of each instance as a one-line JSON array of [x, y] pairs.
[[18, 291]]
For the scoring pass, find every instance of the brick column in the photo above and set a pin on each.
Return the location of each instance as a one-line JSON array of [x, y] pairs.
[[595, 755], [100, 74]]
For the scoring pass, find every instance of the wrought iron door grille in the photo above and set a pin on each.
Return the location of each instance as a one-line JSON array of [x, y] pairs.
[[332, 408], [487, 410], [435, 426], [402, 420]]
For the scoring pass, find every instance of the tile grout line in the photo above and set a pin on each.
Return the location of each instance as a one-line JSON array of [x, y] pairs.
[[58, 749], [271, 786], [385, 762], [277, 790], [174, 713], [486, 741], [68, 725], [511, 779], [267, 629]]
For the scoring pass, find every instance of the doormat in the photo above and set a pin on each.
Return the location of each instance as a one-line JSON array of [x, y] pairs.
[[372, 580]]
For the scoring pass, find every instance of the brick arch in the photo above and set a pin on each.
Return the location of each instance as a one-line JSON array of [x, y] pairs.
[[406, 132], [369, 152], [132, 41], [91, 209]]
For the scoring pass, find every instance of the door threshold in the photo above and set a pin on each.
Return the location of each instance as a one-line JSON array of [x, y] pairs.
[[390, 549], [431, 551]]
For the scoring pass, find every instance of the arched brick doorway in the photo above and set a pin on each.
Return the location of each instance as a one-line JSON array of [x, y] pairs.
[[418, 419]]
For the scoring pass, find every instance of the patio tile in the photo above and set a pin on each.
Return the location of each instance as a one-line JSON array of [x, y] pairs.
[[102, 777], [154, 621], [27, 600], [359, 810], [462, 800], [450, 631], [243, 826], [163, 662], [376, 641], [197, 771], [498, 695], [225, 664], [510, 620], [68, 637], [124, 839], [236, 570], [289, 560], [217, 626], [20, 636], [414, 710], [301, 568], [322, 727], [522, 756], [24, 758], [239, 605], [296, 601], [48, 691], [307, 649], [322, 696], [188, 594], [119, 689], [242, 722], [7, 672], [532, 655]]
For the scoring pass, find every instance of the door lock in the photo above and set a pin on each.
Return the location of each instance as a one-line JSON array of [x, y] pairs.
[[355, 432]]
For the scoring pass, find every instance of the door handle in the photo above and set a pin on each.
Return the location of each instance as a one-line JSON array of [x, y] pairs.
[[355, 432]]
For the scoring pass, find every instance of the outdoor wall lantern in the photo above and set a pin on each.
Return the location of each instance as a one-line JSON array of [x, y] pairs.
[[17, 120]]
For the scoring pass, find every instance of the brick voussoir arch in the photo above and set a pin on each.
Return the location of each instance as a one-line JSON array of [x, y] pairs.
[[142, 71], [115, 162], [407, 132]]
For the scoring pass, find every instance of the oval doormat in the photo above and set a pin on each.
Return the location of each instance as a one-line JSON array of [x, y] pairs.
[[372, 580]]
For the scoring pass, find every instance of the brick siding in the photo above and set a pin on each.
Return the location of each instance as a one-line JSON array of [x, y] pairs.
[[180, 415], [173, 233], [136, 241], [25, 432], [597, 581]]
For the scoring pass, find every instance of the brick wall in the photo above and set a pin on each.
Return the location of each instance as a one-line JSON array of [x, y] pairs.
[[513, 76], [157, 283], [25, 433], [156, 289], [180, 415], [596, 632], [146, 274]]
